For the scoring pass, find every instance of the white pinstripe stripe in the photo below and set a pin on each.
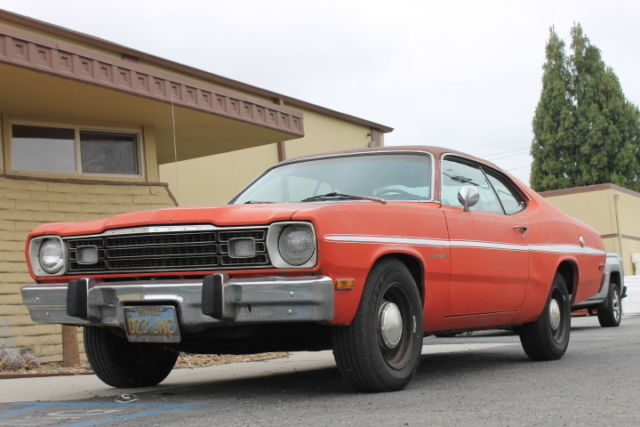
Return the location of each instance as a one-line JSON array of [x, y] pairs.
[[417, 241]]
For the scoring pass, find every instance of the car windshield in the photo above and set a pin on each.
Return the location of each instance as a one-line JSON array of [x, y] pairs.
[[390, 176]]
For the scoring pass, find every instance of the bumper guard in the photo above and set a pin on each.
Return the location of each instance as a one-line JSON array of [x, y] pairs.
[[200, 304]]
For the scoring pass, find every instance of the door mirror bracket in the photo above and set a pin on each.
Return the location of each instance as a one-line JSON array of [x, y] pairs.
[[468, 196]]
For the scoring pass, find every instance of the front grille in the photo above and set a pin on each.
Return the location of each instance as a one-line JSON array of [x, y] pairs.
[[167, 251]]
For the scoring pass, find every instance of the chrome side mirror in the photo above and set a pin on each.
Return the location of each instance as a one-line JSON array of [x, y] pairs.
[[468, 196]]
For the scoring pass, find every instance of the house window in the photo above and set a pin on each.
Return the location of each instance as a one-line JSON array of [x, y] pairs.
[[43, 149], [104, 152], [73, 150]]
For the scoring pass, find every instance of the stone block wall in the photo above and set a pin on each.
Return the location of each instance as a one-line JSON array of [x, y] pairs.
[[27, 203]]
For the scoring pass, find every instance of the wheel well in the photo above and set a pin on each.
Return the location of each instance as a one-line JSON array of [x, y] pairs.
[[614, 277], [414, 266], [569, 272]]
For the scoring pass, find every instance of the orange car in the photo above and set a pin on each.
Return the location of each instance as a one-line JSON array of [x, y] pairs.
[[364, 252]]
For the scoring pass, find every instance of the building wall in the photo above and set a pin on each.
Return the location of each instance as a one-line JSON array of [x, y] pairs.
[[629, 218], [323, 133], [216, 179], [611, 210], [595, 208], [27, 203]]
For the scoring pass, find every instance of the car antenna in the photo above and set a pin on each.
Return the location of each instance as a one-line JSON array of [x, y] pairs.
[[175, 148]]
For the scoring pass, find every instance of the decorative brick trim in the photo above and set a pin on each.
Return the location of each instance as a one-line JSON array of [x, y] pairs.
[[66, 60]]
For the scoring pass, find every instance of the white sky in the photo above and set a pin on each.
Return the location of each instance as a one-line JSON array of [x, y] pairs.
[[459, 74]]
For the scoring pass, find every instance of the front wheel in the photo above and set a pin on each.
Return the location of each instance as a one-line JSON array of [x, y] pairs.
[[119, 363], [612, 314], [380, 350], [547, 337]]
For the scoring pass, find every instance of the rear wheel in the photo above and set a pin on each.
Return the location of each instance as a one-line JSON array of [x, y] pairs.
[[547, 338], [380, 350], [119, 363], [612, 314]]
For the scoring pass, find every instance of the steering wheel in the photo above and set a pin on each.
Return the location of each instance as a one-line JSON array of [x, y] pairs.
[[395, 192]]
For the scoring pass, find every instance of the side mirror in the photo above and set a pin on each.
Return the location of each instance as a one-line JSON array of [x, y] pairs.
[[468, 196]]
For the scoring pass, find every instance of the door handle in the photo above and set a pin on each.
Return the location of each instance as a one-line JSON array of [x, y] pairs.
[[523, 228]]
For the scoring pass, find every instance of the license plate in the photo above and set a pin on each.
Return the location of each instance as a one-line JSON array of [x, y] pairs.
[[152, 323]]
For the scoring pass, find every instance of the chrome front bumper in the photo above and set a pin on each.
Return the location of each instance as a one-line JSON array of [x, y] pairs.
[[246, 300]]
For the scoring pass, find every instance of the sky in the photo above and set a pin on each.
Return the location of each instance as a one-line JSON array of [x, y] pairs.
[[459, 74]]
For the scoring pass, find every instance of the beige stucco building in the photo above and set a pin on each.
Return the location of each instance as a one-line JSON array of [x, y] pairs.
[[89, 129], [612, 210]]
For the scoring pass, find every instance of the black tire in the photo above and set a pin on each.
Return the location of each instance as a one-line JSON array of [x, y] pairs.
[[369, 359], [119, 363], [611, 316], [547, 338]]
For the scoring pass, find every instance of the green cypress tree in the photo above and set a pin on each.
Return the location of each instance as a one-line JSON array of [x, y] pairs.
[[553, 124], [600, 143], [606, 123]]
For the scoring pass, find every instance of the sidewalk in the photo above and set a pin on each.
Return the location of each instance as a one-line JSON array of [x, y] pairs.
[[78, 387]]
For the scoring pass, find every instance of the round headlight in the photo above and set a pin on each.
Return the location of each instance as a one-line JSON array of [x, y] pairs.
[[51, 256], [296, 244]]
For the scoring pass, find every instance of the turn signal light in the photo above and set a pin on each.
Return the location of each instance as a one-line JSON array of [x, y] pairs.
[[345, 284]]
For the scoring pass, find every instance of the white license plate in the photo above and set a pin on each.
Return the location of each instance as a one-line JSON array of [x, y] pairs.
[[152, 324]]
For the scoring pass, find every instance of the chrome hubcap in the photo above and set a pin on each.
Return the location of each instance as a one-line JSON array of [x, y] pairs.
[[617, 308], [390, 321], [555, 314]]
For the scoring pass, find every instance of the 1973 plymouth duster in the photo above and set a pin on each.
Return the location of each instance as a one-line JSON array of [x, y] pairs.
[[364, 252]]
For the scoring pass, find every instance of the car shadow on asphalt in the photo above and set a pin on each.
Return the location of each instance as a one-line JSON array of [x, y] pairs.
[[326, 382], [323, 381]]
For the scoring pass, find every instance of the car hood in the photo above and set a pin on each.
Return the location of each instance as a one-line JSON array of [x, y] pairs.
[[217, 215]]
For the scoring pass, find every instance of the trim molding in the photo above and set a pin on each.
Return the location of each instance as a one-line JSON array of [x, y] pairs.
[[61, 59], [444, 243], [588, 189], [92, 182], [622, 236]]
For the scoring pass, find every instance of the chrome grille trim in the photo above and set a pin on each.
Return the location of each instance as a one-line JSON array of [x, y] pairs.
[[167, 248]]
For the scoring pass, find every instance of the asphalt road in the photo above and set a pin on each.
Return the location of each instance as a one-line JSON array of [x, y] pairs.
[[483, 379]]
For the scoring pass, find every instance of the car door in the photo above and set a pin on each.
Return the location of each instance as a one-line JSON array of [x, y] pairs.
[[489, 249]]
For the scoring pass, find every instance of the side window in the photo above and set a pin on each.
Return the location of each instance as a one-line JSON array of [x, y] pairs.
[[456, 175], [511, 200]]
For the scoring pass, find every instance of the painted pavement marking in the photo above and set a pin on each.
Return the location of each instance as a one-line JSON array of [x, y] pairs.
[[80, 414]]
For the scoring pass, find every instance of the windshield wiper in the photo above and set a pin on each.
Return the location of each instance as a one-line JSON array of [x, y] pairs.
[[341, 196], [255, 202], [462, 179]]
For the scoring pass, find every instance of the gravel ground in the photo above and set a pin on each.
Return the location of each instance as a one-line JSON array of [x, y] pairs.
[[189, 361]]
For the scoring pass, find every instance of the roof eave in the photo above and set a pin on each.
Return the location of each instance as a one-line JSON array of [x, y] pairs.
[[181, 68]]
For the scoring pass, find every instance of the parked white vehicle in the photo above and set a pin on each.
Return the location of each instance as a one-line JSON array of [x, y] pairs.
[[607, 303]]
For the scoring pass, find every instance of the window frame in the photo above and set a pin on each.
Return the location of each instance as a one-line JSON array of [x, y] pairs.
[[77, 128], [429, 155], [2, 143], [510, 185], [482, 166]]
